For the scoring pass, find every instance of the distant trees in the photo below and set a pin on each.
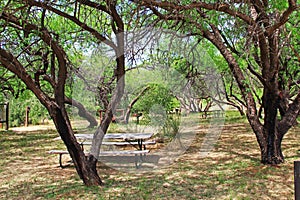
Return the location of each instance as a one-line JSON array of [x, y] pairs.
[[145, 89]]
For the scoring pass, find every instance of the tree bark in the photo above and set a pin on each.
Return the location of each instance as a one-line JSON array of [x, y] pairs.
[[58, 114], [82, 112], [55, 107], [272, 153], [85, 170], [119, 73]]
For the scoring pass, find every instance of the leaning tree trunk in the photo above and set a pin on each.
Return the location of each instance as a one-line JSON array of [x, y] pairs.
[[86, 172], [56, 108], [131, 104], [115, 99], [82, 112]]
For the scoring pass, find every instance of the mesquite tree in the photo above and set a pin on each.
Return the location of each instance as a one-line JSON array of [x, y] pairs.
[[36, 38], [259, 41]]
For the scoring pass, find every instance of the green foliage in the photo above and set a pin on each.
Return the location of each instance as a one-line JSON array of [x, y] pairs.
[[92, 84], [156, 95], [37, 114], [171, 126]]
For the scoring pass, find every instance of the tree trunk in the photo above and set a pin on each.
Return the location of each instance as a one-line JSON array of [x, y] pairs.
[[82, 112], [86, 168], [267, 134], [128, 111], [270, 102], [272, 153]]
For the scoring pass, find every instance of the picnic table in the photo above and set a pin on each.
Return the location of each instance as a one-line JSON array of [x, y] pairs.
[[137, 140], [133, 139], [212, 114]]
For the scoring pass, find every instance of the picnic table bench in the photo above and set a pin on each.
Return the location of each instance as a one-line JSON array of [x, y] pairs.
[[117, 139], [137, 153]]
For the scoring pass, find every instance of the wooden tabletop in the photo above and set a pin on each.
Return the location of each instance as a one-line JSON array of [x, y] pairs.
[[124, 136]]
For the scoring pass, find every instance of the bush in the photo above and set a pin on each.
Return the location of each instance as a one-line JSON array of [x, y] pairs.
[[157, 95], [38, 113]]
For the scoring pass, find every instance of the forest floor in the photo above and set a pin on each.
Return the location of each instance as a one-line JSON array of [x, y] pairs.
[[232, 170]]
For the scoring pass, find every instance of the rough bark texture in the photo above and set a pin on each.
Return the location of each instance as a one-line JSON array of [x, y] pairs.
[[86, 172]]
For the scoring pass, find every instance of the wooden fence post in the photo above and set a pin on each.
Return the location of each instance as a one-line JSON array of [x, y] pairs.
[[7, 116], [27, 116], [297, 179]]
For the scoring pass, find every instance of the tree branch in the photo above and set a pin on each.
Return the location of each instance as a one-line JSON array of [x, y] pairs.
[[290, 116], [47, 38], [222, 7], [13, 65], [76, 21], [94, 5], [133, 101], [82, 111], [250, 68], [284, 17]]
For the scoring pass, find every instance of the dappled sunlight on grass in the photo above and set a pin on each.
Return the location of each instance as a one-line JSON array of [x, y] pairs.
[[231, 171]]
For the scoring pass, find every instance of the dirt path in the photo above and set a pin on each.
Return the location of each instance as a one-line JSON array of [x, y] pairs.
[[50, 126], [33, 128]]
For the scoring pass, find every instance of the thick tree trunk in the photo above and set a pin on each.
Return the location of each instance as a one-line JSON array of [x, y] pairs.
[[273, 131], [272, 153], [86, 168]]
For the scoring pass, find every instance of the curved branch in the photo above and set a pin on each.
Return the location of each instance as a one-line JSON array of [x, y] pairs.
[[13, 65], [76, 21], [127, 114], [45, 35], [94, 5], [231, 47], [290, 116], [284, 17], [82, 111], [216, 39], [223, 7]]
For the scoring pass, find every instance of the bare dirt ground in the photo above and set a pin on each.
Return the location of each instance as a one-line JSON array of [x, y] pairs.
[[231, 171]]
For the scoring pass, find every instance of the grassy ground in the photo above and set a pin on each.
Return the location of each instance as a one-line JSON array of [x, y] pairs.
[[231, 171]]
